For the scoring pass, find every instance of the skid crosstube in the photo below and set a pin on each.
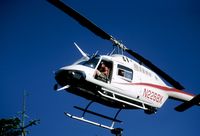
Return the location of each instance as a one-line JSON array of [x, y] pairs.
[[97, 114]]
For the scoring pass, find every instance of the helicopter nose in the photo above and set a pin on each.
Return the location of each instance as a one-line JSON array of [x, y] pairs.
[[69, 77]]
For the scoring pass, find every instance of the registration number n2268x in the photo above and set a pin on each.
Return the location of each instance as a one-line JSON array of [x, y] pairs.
[[153, 96]]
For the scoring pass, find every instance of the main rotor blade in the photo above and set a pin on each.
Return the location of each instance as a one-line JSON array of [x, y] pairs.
[[82, 20], [161, 73], [99, 32]]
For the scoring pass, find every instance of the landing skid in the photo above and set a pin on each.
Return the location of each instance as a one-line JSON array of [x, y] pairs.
[[116, 131]]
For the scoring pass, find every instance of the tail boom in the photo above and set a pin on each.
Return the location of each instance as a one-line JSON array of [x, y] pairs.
[[188, 100], [188, 104]]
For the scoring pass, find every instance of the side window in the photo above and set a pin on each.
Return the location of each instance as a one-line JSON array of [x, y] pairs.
[[124, 72]]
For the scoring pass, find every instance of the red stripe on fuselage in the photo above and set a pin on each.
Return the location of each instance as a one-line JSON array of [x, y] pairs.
[[164, 88]]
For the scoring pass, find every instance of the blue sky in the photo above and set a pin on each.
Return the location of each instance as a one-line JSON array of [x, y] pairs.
[[37, 39]]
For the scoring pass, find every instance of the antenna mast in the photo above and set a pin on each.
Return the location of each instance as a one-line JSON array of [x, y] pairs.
[[23, 116], [23, 113]]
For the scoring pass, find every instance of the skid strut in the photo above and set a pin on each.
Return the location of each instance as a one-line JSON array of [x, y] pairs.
[[116, 131]]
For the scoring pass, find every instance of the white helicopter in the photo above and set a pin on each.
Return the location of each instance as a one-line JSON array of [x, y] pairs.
[[117, 81]]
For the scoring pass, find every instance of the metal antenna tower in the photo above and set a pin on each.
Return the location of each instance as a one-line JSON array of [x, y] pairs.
[[23, 113], [24, 116]]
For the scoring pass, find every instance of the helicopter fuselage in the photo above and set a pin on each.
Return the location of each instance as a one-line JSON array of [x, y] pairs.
[[129, 85]]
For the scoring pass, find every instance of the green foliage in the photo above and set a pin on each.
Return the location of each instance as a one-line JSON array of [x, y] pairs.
[[10, 127]]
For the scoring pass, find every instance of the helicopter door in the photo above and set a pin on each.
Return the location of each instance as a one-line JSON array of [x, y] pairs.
[[103, 71]]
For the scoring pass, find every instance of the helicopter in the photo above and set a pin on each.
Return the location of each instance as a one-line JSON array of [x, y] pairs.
[[117, 81]]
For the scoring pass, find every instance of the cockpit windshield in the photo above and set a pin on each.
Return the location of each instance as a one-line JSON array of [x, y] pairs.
[[92, 63]]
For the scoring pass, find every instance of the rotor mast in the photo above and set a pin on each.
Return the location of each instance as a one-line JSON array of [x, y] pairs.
[[120, 47]]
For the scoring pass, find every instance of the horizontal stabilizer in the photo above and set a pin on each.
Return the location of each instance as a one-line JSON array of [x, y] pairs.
[[186, 105]]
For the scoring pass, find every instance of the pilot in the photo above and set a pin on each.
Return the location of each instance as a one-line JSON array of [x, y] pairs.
[[102, 67], [102, 73], [105, 72]]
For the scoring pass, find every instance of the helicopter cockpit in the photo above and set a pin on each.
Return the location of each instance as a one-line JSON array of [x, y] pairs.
[[92, 62], [102, 68]]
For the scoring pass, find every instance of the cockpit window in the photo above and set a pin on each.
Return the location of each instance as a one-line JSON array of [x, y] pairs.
[[125, 72], [92, 63]]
